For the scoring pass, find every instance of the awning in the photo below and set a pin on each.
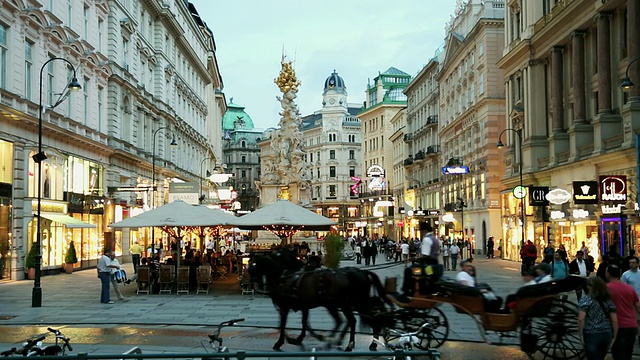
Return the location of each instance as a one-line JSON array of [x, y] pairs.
[[67, 221]]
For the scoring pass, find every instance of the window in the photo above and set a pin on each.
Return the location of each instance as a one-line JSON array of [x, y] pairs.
[[125, 54], [244, 173], [100, 31], [332, 171], [480, 48], [244, 159], [481, 84], [318, 155], [352, 154], [3, 57], [332, 191], [100, 94], [318, 173], [310, 157], [352, 171], [85, 93], [397, 95], [332, 154], [86, 22], [243, 144], [28, 70], [70, 13], [228, 159], [332, 137], [50, 81]]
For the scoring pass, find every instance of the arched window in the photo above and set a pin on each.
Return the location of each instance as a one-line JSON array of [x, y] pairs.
[[243, 144]]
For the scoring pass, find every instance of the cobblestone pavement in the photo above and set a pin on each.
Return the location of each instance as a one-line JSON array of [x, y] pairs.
[[73, 300]]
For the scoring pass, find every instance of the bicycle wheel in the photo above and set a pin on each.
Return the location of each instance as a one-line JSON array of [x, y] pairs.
[[431, 336]]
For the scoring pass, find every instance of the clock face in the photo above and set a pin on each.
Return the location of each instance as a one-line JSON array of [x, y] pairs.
[[519, 192], [332, 101]]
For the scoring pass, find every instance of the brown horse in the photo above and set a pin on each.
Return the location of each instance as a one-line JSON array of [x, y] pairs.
[[346, 289]]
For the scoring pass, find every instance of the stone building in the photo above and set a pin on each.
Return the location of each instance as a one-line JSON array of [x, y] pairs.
[[384, 100], [563, 64], [142, 66], [421, 200], [470, 119], [241, 156], [331, 141]]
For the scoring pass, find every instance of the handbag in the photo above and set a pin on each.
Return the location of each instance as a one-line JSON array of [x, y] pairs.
[[120, 275]]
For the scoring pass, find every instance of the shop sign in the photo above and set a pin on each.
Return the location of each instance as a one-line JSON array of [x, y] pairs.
[[375, 171], [613, 188], [556, 215], [434, 212], [400, 223], [585, 192], [187, 192], [611, 209], [558, 196], [537, 195], [580, 214], [360, 224], [420, 213], [455, 170]]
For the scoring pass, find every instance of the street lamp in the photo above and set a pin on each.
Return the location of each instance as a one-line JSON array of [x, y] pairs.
[[153, 181], [627, 85], [521, 189], [201, 198], [36, 296]]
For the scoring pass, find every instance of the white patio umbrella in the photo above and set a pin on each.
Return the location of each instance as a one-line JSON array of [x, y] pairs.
[[283, 218], [177, 213]]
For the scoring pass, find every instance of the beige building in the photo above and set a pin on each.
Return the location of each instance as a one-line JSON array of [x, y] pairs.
[[563, 64], [470, 119], [422, 162], [384, 100], [398, 183]]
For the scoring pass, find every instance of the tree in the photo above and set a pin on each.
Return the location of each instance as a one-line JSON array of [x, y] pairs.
[[71, 257], [30, 261], [333, 247]]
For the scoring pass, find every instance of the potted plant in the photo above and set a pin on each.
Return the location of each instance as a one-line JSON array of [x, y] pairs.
[[70, 258], [30, 260], [333, 247]]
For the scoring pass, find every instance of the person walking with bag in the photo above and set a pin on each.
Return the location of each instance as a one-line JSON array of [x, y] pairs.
[[597, 320], [115, 267], [625, 299]]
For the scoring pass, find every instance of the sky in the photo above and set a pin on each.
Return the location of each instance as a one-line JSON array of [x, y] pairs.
[[357, 38]]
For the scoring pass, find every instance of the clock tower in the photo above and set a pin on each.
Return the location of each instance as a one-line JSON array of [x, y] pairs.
[[335, 93]]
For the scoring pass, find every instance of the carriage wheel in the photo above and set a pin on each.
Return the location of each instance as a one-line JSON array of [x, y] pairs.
[[555, 335], [432, 336]]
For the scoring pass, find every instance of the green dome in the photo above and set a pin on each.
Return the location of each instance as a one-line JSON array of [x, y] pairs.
[[234, 114]]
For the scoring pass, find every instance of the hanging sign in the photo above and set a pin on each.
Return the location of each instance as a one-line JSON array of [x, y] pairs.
[[613, 188], [611, 209], [558, 196], [537, 195], [585, 192]]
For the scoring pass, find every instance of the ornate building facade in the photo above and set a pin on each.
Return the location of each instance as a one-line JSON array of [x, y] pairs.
[[331, 140], [143, 66], [241, 155], [563, 64], [470, 119], [385, 99]]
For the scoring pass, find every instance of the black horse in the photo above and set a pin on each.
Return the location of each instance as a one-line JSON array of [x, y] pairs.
[[346, 289]]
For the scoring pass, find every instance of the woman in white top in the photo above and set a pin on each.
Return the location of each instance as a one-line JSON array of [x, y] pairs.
[[445, 256]]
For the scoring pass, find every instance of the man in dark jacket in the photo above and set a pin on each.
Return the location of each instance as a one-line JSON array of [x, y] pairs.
[[582, 267]]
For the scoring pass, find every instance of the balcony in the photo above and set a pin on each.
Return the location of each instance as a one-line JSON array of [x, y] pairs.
[[455, 161], [432, 120], [408, 137], [419, 155], [408, 161], [433, 149]]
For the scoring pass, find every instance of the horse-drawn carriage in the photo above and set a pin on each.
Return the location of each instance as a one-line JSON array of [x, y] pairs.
[[543, 318]]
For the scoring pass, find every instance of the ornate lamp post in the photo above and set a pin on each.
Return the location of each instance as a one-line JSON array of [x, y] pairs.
[[626, 84], [521, 190], [36, 296], [153, 180]]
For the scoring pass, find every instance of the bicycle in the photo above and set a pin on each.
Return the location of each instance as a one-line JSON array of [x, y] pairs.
[[215, 338], [34, 347]]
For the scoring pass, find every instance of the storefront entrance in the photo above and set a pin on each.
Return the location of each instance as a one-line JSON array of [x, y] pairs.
[[612, 235], [5, 231]]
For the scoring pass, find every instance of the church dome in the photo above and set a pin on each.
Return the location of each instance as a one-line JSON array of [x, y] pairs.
[[334, 82], [236, 118]]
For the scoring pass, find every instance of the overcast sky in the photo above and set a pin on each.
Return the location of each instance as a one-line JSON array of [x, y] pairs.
[[357, 38]]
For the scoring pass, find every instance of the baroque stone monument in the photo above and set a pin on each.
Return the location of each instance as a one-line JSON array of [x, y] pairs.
[[284, 170]]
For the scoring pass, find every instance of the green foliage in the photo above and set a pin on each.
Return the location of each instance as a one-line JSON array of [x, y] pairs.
[[70, 257], [333, 247], [30, 261]]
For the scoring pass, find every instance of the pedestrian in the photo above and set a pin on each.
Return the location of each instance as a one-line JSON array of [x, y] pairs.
[[624, 265], [374, 252], [104, 270], [559, 268], [584, 249], [631, 277], [597, 320], [404, 249], [366, 252], [430, 244], [115, 266], [454, 251], [136, 253], [445, 256], [563, 253], [490, 245], [627, 304], [582, 267], [547, 253], [358, 251]]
